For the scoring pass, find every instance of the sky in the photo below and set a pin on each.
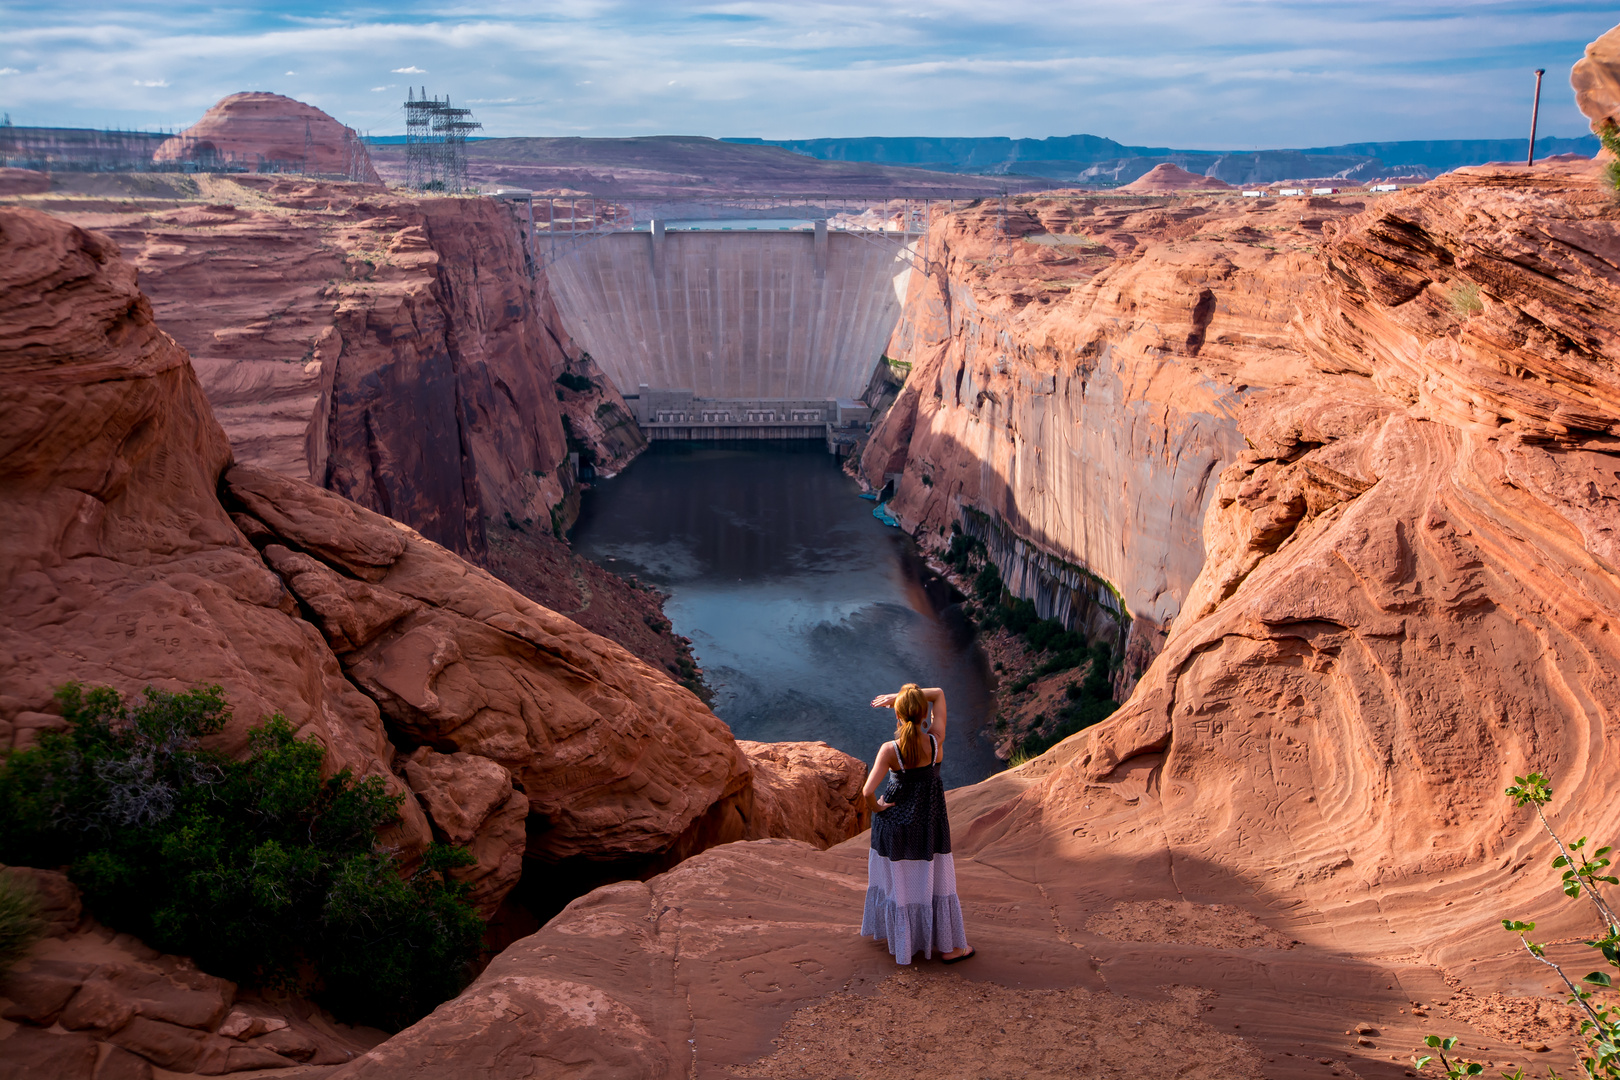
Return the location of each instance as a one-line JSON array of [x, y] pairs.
[[1190, 74]]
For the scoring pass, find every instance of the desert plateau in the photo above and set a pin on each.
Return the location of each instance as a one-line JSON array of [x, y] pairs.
[[444, 576]]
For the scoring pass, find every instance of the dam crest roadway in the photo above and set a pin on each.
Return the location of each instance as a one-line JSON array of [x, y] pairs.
[[742, 329]]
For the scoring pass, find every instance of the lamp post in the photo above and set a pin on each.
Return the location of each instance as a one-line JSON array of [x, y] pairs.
[[1535, 109]]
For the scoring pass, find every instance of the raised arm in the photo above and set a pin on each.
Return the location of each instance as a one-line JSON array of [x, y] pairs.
[[936, 706]]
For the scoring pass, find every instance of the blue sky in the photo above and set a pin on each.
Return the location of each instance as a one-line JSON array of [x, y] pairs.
[[1182, 73]]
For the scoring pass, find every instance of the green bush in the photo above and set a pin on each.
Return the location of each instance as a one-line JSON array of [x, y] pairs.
[[259, 869], [987, 586], [960, 555], [1089, 702], [20, 924], [577, 383], [1019, 615], [1610, 138]]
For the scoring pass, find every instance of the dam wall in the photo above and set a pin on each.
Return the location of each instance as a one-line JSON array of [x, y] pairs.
[[753, 317]]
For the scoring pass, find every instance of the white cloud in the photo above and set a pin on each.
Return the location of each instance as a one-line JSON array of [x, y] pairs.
[[412, 70], [9, 71], [151, 82], [1185, 73], [289, 72]]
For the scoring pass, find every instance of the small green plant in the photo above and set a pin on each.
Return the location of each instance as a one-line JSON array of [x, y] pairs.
[[261, 870], [1454, 1069], [1464, 299], [20, 924], [1610, 138], [1582, 873], [577, 383]]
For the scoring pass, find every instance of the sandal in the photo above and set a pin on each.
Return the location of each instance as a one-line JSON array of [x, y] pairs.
[[958, 959]]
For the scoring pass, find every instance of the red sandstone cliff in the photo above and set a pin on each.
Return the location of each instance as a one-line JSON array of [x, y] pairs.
[[139, 555], [1076, 384], [271, 133], [389, 348], [1294, 826]]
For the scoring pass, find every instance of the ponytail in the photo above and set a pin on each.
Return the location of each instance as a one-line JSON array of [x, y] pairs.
[[910, 709]]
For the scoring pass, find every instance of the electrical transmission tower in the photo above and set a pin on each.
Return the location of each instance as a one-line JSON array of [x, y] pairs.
[[436, 143]]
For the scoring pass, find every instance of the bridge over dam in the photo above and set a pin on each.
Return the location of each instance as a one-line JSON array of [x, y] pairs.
[[714, 333]]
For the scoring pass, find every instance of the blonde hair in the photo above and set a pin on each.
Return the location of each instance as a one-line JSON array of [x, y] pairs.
[[910, 709]]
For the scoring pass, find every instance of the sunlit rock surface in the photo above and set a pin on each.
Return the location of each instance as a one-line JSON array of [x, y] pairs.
[[1400, 592], [265, 132]]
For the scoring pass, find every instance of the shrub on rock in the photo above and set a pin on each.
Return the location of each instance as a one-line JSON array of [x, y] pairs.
[[20, 924], [260, 869]]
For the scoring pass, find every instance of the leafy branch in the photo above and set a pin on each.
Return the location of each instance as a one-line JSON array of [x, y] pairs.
[[1582, 874], [1535, 790], [1610, 138]]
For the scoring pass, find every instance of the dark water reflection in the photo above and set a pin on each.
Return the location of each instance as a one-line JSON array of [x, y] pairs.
[[800, 605]]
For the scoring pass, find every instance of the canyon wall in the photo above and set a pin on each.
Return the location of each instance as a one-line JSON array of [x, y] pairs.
[[141, 555], [743, 314], [394, 350], [1076, 383], [1295, 825]]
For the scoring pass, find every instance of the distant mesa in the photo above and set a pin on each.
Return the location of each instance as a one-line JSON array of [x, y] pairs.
[[1169, 177], [1596, 79], [272, 133]]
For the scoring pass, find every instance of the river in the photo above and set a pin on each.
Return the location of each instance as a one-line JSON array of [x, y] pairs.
[[801, 606]]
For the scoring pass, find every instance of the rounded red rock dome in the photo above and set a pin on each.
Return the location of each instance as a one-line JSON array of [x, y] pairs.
[[272, 133], [1168, 177]]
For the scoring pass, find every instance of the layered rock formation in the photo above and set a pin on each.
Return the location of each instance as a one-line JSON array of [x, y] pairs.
[[1408, 596], [272, 133], [402, 352], [391, 349], [1075, 389], [139, 555]]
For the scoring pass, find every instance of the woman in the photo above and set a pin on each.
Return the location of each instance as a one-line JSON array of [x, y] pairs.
[[911, 880]]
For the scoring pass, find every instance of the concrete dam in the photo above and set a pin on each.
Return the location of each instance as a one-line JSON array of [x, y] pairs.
[[735, 334]]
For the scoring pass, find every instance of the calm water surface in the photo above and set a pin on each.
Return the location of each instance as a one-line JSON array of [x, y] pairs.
[[800, 605]]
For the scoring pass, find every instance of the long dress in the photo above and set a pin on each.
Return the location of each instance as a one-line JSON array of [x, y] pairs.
[[911, 878]]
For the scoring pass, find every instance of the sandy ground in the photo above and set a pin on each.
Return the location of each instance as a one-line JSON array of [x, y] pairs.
[[914, 1025]]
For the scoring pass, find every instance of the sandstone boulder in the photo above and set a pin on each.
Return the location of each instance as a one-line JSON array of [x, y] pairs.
[[1596, 80], [807, 790], [269, 132], [91, 1003], [616, 759]]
